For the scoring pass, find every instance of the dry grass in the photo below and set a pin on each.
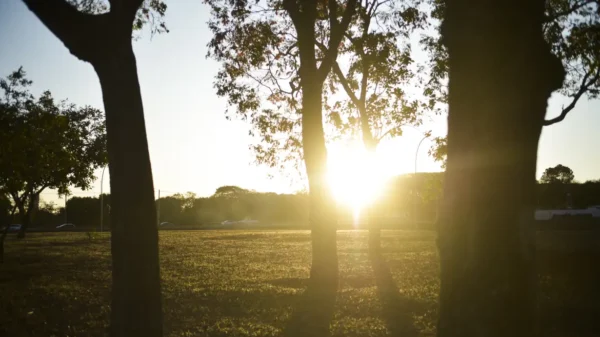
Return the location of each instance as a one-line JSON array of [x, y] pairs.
[[247, 283]]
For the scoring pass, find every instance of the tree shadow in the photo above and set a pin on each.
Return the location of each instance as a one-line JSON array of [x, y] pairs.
[[396, 310], [313, 312]]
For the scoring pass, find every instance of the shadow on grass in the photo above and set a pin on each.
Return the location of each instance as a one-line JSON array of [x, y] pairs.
[[569, 299], [313, 312], [396, 310]]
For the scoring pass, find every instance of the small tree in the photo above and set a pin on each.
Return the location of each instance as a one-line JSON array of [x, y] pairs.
[[558, 174], [45, 145], [375, 70], [272, 70]]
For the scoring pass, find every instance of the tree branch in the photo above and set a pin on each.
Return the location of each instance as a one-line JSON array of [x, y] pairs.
[[337, 33], [340, 75], [585, 85], [343, 80], [79, 32], [569, 11], [365, 59]]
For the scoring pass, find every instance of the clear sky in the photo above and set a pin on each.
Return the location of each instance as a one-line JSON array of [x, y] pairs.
[[192, 146]]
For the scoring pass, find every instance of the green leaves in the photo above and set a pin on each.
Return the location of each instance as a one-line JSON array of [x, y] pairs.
[[47, 144]]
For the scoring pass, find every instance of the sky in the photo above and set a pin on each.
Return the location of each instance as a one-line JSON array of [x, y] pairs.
[[192, 146]]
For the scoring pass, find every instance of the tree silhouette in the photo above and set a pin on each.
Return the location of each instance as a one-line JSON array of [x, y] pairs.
[[557, 174], [571, 27], [377, 71], [497, 103], [273, 74], [45, 145], [102, 37]]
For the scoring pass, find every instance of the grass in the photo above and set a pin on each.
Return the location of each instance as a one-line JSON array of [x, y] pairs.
[[248, 283]]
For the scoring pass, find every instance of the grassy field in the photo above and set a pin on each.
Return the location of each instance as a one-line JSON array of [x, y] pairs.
[[248, 283]]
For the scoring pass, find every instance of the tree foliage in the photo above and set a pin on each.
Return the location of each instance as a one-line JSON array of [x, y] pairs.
[[46, 144], [375, 71], [558, 174], [257, 46]]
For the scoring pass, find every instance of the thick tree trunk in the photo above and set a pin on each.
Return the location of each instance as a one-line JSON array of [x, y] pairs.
[[501, 76], [324, 269], [105, 42], [136, 304]]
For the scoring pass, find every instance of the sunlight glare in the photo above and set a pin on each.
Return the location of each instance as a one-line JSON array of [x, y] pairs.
[[356, 176]]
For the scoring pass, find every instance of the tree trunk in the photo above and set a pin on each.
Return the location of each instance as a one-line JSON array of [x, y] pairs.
[[25, 215], [324, 269], [370, 144], [136, 303], [501, 76], [5, 233]]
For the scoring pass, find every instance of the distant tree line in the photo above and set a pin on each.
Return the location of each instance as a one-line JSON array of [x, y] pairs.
[[406, 198]]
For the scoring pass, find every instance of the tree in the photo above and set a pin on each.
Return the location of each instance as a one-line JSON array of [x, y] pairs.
[[377, 54], [101, 36], [501, 74], [45, 145], [230, 191], [558, 174], [8, 211], [273, 74], [571, 27]]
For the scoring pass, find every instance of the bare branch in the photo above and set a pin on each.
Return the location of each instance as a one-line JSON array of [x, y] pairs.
[[585, 85]]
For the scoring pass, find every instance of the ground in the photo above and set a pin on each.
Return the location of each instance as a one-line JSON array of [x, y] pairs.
[[248, 283]]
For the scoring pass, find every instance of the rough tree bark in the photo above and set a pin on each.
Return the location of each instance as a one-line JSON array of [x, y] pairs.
[[105, 42], [501, 75]]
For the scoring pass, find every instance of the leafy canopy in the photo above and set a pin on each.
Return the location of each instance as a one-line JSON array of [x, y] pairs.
[[376, 72], [557, 175], [46, 144], [257, 47]]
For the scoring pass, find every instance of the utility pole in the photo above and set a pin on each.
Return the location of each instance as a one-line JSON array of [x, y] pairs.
[[415, 181]]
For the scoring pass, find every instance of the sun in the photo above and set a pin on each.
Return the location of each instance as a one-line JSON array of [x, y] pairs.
[[356, 176]]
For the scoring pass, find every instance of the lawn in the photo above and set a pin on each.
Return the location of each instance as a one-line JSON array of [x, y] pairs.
[[249, 283]]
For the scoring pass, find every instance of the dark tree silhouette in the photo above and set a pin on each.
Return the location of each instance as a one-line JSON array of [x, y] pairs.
[[104, 40], [45, 145], [375, 78], [501, 74], [571, 27], [557, 174]]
